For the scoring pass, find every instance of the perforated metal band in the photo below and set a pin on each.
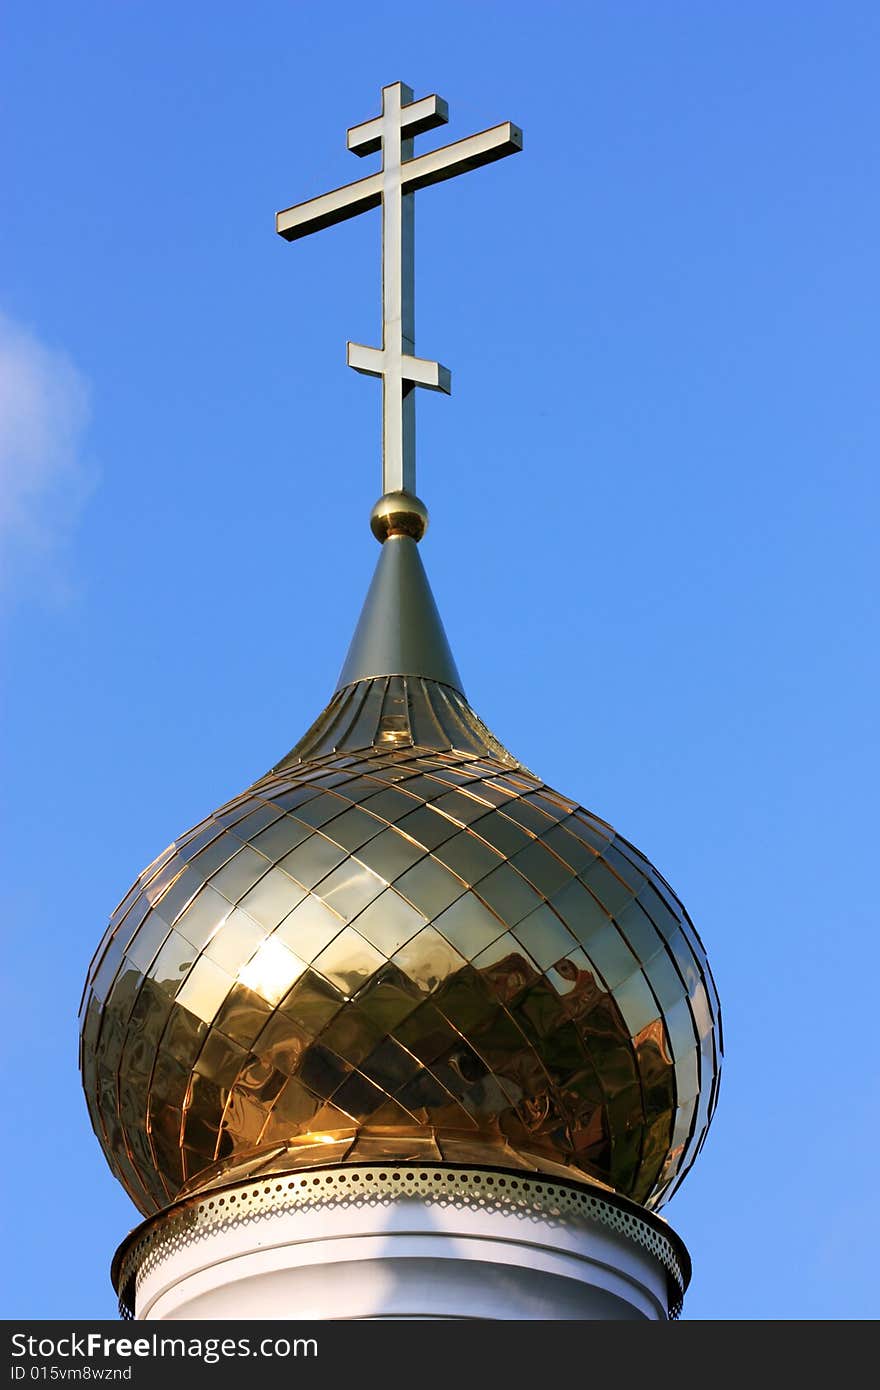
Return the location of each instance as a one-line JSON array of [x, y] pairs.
[[485, 1189]]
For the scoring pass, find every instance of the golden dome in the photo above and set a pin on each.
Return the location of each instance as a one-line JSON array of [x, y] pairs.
[[400, 944]]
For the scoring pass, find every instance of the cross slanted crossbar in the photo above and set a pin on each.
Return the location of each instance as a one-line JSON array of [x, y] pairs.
[[392, 134]]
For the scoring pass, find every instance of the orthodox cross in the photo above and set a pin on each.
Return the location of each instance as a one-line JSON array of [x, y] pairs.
[[392, 134]]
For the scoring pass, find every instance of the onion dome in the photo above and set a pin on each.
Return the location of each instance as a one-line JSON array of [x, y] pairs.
[[400, 944]]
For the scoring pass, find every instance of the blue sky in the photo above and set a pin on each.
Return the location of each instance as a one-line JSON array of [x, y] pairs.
[[653, 497]]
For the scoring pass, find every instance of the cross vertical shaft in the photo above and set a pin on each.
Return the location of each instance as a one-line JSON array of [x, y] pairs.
[[398, 297]]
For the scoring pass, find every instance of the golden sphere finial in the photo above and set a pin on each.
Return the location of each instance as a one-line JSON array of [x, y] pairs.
[[399, 514]]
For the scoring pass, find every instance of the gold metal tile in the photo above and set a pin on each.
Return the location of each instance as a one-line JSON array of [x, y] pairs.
[[684, 1118], [156, 884], [469, 926], [687, 1076], [205, 1097], [149, 1016], [426, 1033], [529, 817], [357, 787], [489, 791], [612, 893], [506, 968], [611, 957], [138, 905], [427, 827], [184, 1034], [321, 809], [636, 1002], [290, 799], [148, 941], [282, 1042], [429, 886], [220, 1059], [91, 1025], [468, 857], [204, 915], [244, 1119], [164, 1126], [388, 922], [138, 1055], [465, 1000], [134, 895], [425, 786], [115, 1020], [544, 871], [348, 962], [681, 1028], [309, 928], [239, 874], [294, 1110], [639, 932], [195, 844], [181, 892], [391, 804], [509, 896], [580, 911], [665, 980], [271, 899], [589, 829], [312, 1002], [388, 998], [390, 1066], [390, 854], [353, 828], [684, 959], [701, 1011], [249, 826], [428, 960], [204, 989], [242, 1015], [312, 861], [624, 866], [569, 848], [358, 1097], [349, 888], [502, 833], [272, 970], [460, 807], [281, 837], [260, 1081], [173, 962], [235, 941], [544, 937], [323, 1072], [573, 976], [424, 1096], [352, 1035]]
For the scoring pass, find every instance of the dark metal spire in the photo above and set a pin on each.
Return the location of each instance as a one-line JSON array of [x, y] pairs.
[[400, 632]]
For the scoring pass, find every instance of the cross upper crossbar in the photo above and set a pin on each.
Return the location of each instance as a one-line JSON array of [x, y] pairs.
[[392, 134]]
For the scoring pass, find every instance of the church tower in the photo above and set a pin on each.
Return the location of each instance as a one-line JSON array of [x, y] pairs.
[[400, 1031]]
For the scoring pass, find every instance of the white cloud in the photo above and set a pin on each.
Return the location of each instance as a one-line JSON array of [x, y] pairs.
[[44, 479]]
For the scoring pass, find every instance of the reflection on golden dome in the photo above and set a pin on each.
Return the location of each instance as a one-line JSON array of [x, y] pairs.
[[400, 944]]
